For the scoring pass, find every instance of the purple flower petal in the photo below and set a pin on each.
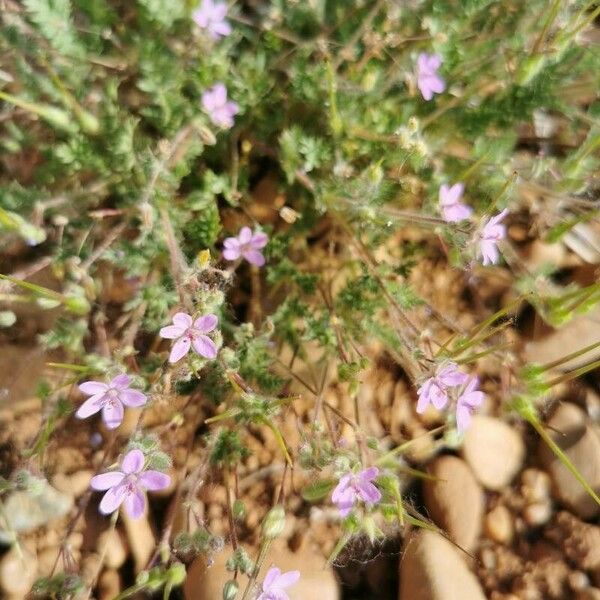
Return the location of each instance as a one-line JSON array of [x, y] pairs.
[[171, 332], [90, 407], [341, 488], [206, 323], [133, 398], [182, 320], [135, 504], [463, 418], [112, 499], [180, 348], [112, 414], [133, 462], [231, 253], [245, 235], [286, 580], [92, 388], [120, 381], [105, 481], [369, 474], [254, 257], [369, 493], [259, 240], [154, 480], [231, 242], [204, 346], [272, 575]]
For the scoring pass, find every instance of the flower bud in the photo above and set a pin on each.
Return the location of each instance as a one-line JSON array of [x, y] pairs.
[[274, 522], [176, 574], [230, 590]]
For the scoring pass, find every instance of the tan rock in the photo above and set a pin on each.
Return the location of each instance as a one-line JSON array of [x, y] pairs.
[[111, 546], [316, 580], [140, 538], [494, 451], [455, 500], [109, 585], [18, 571], [431, 568], [571, 430], [75, 484], [499, 525]]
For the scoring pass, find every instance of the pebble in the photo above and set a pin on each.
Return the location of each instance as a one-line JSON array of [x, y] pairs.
[[588, 594], [316, 581], [455, 500], [109, 585], [140, 538], [535, 485], [75, 484], [581, 443], [433, 569], [110, 544], [17, 572], [25, 511], [499, 525], [494, 451], [537, 513]]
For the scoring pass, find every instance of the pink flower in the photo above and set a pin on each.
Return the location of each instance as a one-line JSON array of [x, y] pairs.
[[211, 15], [354, 486], [247, 245], [275, 582], [453, 210], [111, 398], [190, 333], [493, 231], [428, 81], [128, 485], [435, 389], [220, 110], [469, 399]]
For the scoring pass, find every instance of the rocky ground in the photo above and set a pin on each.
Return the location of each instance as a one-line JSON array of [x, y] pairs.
[[518, 524]]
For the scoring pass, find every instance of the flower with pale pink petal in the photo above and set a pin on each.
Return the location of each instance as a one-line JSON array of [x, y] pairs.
[[247, 245], [220, 110], [453, 210], [210, 15], [129, 485], [469, 399], [188, 333], [435, 389], [110, 398], [493, 231], [275, 583], [428, 80], [356, 486]]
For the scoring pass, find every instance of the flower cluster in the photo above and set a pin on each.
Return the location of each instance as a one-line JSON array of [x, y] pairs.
[[128, 485], [356, 486], [437, 390]]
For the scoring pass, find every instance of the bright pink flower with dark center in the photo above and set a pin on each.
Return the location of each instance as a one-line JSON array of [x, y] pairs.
[[356, 486], [276, 582], [211, 15], [435, 389], [493, 231], [453, 210], [428, 80], [248, 245], [467, 402], [190, 334], [110, 398], [129, 485], [220, 110]]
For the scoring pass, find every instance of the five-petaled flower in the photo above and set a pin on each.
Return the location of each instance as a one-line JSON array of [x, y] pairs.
[[469, 399], [435, 389], [220, 110], [129, 485], [428, 80], [453, 210], [493, 231], [211, 15], [190, 334], [247, 245], [355, 486], [275, 583], [111, 398]]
